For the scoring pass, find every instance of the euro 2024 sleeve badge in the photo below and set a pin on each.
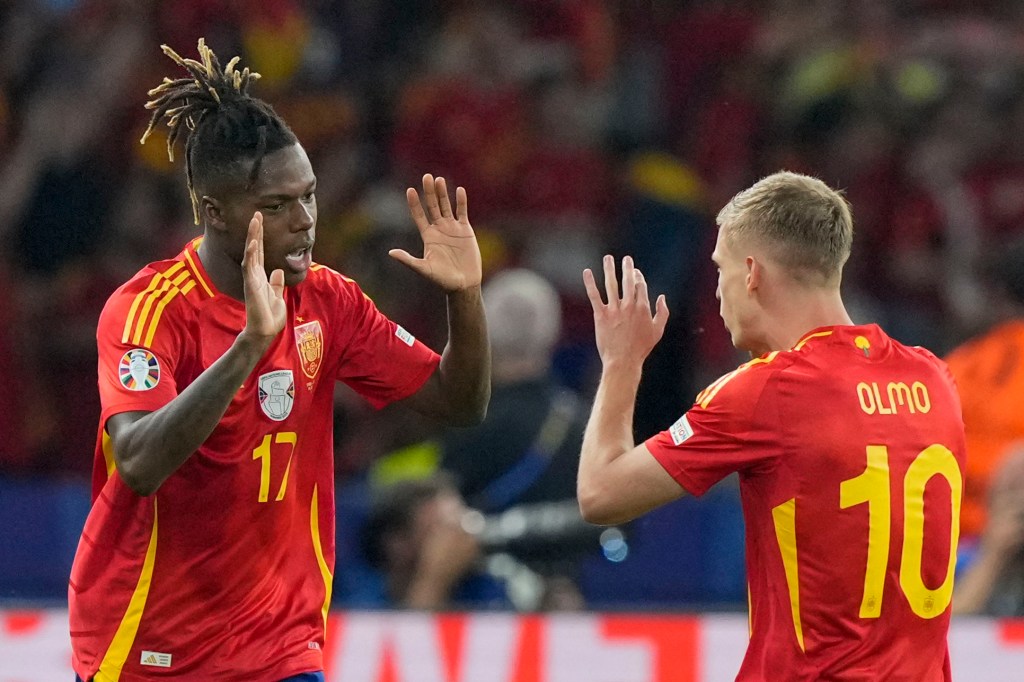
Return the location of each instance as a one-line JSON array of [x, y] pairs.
[[139, 370]]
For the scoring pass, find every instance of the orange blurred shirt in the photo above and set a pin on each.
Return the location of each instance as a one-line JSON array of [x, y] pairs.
[[989, 371]]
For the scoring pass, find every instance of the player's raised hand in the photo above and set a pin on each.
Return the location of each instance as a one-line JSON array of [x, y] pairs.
[[625, 328], [451, 256], [265, 309]]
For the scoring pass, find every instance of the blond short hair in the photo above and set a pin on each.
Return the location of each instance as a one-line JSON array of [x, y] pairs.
[[806, 225]]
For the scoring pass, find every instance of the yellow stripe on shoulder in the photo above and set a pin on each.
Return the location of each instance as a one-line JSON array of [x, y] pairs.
[[713, 386], [135, 305], [147, 295], [157, 302], [197, 272], [800, 344], [175, 290], [317, 267], [711, 391]]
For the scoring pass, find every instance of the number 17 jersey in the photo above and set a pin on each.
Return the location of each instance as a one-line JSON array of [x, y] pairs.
[[850, 451], [225, 572]]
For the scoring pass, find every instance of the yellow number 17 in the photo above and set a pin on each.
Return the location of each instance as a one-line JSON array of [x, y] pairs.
[[262, 453]]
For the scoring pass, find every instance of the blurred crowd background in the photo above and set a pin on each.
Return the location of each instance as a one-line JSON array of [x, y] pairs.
[[578, 127]]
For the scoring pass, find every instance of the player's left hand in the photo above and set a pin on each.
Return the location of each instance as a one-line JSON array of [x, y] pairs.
[[451, 256], [625, 329]]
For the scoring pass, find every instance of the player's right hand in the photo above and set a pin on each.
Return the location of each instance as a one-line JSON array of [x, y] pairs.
[[265, 309], [625, 329]]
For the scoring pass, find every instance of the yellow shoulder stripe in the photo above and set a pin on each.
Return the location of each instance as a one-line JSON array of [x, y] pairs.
[[162, 304], [197, 273], [711, 391], [162, 288], [807, 338], [714, 384]]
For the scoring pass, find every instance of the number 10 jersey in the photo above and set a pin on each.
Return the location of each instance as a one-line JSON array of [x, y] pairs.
[[850, 451]]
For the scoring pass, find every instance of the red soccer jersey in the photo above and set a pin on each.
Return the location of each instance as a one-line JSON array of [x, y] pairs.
[[849, 449], [225, 572]]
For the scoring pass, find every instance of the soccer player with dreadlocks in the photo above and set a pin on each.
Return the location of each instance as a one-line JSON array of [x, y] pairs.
[[209, 550]]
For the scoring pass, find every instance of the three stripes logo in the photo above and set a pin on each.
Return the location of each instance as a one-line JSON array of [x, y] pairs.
[[156, 659], [148, 307]]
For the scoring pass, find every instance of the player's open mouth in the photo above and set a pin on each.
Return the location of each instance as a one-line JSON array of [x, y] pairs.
[[300, 259]]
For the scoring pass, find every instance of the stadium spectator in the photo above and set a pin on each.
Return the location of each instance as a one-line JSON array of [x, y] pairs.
[[913, 108], [989, 372], [993, 584], [424, 557], [526, 448], [816, 426]]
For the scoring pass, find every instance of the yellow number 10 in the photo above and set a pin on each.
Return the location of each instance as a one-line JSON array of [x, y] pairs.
[[872, 487]]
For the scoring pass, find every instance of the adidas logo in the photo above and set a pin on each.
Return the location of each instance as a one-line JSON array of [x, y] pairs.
[[156, 659]]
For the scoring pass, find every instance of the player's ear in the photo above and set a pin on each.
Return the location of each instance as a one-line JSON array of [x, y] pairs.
[[211, 212], [754, 273]]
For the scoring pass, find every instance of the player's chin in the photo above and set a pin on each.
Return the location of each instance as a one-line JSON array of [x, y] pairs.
[[740, 341], [292, 277]]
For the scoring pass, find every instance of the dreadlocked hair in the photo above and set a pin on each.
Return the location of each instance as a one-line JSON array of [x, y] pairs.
[[225, 126]]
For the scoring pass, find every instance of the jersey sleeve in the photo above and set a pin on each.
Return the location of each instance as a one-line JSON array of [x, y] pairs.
[[139, 351], [728, 429], [379, 359]]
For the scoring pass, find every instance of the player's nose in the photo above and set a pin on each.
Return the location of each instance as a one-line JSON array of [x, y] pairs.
[[303, 218]]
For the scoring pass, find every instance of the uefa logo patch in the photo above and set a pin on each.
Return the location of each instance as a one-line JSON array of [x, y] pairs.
[[139, 370], [407, 338], [681, 430], [277, 394]]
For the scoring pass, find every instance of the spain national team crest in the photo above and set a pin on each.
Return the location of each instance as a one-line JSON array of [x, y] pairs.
[[309, 340], [139, 370], [277, 394]]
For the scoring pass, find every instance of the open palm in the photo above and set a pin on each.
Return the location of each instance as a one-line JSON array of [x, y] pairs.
[[451, 256], [265, 309]]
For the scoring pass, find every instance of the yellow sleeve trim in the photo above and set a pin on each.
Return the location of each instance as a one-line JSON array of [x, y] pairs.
[[708, 394], [108, 454]]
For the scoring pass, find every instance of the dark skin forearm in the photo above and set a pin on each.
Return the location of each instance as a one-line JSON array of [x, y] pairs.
[[458, 392], [150, 446], [465, 370]]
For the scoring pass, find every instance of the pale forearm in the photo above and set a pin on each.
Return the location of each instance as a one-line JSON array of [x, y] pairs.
[[153, 447], [609, 431]]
